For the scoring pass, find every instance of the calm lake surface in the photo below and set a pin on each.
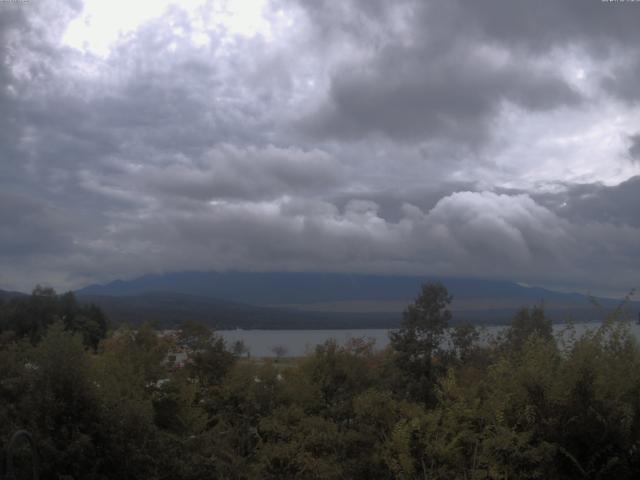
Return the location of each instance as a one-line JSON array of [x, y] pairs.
[[301, 342]]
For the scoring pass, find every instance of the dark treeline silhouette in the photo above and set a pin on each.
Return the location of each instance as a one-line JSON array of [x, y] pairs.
[[522, 405], [30, 316]]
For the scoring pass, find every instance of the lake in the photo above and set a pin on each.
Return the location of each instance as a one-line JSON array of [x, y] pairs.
[[301, 342]]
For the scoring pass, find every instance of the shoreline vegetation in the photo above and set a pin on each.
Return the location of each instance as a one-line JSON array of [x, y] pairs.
[[134, 403]]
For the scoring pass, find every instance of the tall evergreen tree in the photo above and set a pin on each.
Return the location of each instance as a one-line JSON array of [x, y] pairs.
[[417, 342]]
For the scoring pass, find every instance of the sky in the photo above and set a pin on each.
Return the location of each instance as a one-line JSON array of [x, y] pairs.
[[488, 138]]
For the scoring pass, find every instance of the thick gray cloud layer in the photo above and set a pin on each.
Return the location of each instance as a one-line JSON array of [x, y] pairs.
[[490, 138], [424, 82], [634, 149]]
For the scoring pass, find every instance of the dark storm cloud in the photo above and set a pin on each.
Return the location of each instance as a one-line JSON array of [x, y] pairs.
[[615, 205], [504, 236], [622, 82], [228, 172], [449, 68], [538, 26], [169, 153], [534, 26], [12, 20], [634, 149], [437, 76], [31, 143], [410, 93], [30, 227]]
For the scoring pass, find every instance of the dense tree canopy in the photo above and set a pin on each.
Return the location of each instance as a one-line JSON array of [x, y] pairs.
[[523, 405], [30, 316]]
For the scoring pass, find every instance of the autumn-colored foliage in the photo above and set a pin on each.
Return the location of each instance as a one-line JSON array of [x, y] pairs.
[[524, 405]]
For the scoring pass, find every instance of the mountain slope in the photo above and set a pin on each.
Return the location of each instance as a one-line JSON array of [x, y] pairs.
[[314, 298], [301, 288], [7, 294]]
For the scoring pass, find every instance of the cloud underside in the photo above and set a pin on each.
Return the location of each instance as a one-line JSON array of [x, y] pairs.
[[466, 138], [466, 233]]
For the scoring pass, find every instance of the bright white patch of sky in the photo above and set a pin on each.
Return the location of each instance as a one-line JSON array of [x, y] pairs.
[[102, 23]]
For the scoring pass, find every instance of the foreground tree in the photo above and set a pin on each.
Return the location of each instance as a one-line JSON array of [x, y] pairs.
[[528, 322], [211, 362], [417, 343], [464, 338], [64, 408]]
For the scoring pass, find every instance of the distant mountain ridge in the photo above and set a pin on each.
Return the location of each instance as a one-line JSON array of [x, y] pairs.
[[7, 294], [314, 298], [301, 288]]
